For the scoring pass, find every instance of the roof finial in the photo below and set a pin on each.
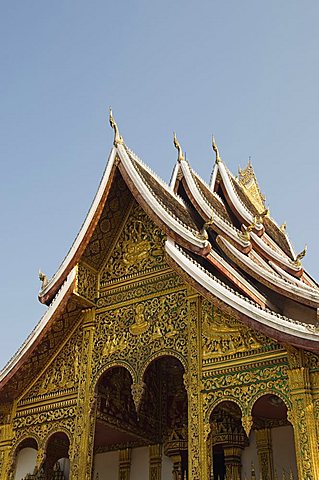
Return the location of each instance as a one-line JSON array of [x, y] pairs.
[[43, 278], [179, 148], [300, 256], [218, 159], [283, 227], [117, 137]]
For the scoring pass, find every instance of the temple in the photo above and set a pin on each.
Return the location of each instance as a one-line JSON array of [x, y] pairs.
[[180, 341]]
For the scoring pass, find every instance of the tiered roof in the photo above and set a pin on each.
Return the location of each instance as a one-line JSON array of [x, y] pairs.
[[220, 238]]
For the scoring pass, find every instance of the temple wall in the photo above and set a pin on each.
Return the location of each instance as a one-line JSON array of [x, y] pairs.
[[107, 465], [25, 462], [140, 464], [248, 456], [284, 449]]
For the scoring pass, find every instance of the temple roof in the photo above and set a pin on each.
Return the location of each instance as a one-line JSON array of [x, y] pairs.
[[220, 238]]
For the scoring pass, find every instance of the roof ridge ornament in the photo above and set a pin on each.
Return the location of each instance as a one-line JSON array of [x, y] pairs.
[[261, 216], [300, 256], [283, 227], [118, 139], [179, 149], [218, 159], [245, 234], [44, 279]]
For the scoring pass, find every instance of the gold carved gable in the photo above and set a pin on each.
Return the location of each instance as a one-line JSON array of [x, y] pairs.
[[139, 249], [63, 372], [225, 336], [111, 220]]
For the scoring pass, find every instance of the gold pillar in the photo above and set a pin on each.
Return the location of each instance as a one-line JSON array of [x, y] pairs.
[[155, 462], [232, 462], [197, 448], [302, 417], [125, 464], [81, 449], [264, 450]]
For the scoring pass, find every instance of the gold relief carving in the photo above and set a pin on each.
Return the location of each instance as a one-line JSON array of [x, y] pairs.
[[140, 324], [247, 423], [105, 232], [223, 335], [139, 248], [150, 286], [86, 282], [303, 418], [136, 332], [138, 390], [81, 449], [197, 447], [62, 374], [125, 459]]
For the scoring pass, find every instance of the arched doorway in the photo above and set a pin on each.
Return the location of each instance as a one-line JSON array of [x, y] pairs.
[[26, 456], [165, 406], [228, 440], [56, 465], [136, 423], [272, 447]]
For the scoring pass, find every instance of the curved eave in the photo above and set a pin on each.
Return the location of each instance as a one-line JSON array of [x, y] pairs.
[[207, 211], [274, 325], [41, 329], [84, 235], [302, 294], [171, 226], [238, 280], [238, 207], [273, 255]]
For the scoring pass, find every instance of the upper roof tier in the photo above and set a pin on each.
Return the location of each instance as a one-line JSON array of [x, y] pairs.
[[220, 238]]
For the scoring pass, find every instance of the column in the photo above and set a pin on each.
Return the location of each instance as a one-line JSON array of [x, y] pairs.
[[125, 464], [81, 449], [155, 462], [302, 416], [233, 462], [197, 447], [264, 450]]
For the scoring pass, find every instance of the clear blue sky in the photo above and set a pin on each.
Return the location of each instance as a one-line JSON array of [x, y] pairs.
[[245, 70]]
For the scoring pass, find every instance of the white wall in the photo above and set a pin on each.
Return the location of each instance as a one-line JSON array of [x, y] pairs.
[[26, 461], [167, 468], [140, 463], [283, 446], [249, 455], [106, 465]]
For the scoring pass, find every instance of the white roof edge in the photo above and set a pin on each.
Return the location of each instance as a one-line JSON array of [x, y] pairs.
[[85, 224], [240, 278], [173, 179], [274, 278], [40, 326], [238, 302], [157, 207], [273, 253], [227, 228], [213, 177]]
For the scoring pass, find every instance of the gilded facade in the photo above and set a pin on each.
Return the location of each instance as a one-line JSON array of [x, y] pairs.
[[180, 341]]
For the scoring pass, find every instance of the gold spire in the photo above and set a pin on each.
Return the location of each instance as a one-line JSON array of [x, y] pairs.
[[117, 137], [218, 159], [179, 148], [300, 256]]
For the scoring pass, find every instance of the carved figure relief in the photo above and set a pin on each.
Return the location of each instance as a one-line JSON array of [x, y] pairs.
[[139, 248]]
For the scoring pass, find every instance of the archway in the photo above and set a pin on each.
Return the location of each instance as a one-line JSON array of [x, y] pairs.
[[228, 440], [165, 407], [56, 465], [26, 456], [136, 423]]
